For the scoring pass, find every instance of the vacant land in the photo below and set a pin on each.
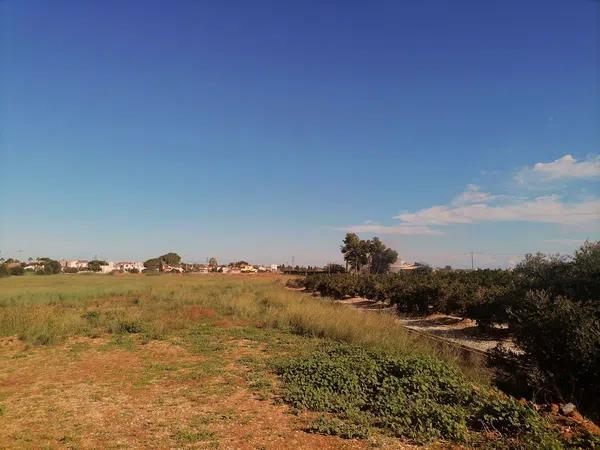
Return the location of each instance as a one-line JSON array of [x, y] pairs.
[[148, 361], [131, 361]]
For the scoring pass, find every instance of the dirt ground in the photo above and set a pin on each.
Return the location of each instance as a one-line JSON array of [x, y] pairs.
[[98, 393]]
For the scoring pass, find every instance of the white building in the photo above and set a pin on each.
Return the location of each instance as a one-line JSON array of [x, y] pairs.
[[74, 263], [403, 265], [109, 267], [129, 265]]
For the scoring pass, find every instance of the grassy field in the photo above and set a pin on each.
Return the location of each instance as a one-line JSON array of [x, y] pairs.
[[129, 361]]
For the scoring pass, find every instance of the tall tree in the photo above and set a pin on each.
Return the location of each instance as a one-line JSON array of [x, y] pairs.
[[381, 262], [212, 262], [152, 264], [355, 251], [171, 259], [372, 254]]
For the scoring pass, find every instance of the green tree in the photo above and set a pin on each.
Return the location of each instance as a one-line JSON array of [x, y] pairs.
[[171, 259], [355, 251], [212, 262], [153, 264], [238, 264], [371, 253], [17, 270], [380, 256], [334, 268], [50, 266], [95, 264]]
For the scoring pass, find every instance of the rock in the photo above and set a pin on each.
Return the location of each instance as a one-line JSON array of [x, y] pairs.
[[567, 409], [554, 408]]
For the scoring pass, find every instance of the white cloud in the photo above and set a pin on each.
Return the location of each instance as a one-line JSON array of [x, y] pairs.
[[562, 168], [473, 206], [472, 194], [549, 209], [477, 206], [402, 229]]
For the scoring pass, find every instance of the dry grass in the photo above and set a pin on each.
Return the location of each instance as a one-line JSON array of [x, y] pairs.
[[157, 361], [47, 310]]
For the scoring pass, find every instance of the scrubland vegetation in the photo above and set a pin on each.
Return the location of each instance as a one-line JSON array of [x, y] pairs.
[[550, 304], [344, 372]]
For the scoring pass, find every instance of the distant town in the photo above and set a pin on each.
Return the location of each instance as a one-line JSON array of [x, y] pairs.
[[172, 263], [50, 266]]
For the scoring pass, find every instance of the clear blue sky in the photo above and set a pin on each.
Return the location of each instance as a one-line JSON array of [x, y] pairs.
[[264, 130]]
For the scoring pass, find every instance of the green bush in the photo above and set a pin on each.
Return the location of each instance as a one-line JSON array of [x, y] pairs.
[[17, 270], [561, 339], [295, 283], [351, 427], [417, 397]]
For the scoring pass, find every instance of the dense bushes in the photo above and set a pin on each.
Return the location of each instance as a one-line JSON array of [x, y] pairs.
[[409, 396], [416, 291], [561, 339], [551, 305]]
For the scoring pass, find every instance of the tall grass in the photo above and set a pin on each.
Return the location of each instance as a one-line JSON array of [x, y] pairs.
[[45, 310]]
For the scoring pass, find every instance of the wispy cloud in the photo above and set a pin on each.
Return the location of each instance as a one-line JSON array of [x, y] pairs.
[[475, 205], [548, 209], [402, 229], [473, 194], [563, 168]]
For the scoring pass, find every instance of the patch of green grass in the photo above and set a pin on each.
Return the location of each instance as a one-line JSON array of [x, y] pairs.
[[155, 371], [121, 341], [189, 436], [260, 385]]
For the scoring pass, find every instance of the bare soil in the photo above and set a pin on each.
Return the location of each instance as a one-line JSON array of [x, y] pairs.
[[93, 393]]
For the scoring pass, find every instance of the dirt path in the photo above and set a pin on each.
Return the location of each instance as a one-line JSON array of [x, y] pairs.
[[459, 330]]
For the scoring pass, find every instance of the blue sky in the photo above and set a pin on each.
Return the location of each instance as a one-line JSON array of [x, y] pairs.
[[265, 130]]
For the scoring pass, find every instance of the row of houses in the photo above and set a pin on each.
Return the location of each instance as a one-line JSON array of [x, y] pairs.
[[110, 266], [138, 266]]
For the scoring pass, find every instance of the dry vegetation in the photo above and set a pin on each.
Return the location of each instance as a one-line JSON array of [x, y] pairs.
[[130, 361]]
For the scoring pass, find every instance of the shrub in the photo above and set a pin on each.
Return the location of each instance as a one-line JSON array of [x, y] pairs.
[[351, 428], [417, 397], [295, 283], [17, 270], [561, 338]]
